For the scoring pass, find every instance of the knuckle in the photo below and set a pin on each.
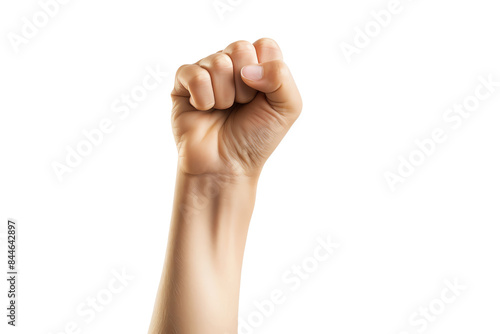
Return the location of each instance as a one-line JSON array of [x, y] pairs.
[[199, 79], [240, 46], [181, 70], [280, 68], [221, 61]]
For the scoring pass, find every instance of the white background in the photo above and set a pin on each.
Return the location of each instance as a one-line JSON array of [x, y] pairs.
[[325, 179]]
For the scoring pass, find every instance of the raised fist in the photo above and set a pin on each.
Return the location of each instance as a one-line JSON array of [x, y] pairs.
[[232, 108]]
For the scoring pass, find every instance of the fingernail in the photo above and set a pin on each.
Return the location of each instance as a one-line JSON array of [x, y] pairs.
[[252, 72]]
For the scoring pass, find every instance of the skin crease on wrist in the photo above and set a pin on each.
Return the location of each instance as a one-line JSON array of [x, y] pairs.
[[230, 110]]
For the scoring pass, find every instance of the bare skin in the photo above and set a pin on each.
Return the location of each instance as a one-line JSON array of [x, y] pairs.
[[230, 111]]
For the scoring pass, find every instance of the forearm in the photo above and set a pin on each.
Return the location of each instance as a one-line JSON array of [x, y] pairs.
[[199, 287]]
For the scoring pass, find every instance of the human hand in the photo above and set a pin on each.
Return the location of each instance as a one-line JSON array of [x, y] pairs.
[[232, 108]]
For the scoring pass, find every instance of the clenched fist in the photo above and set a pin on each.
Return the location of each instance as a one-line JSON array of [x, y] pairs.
[[232, 108]]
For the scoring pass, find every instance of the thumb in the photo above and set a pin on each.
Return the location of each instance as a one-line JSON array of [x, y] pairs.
[[275, 80]]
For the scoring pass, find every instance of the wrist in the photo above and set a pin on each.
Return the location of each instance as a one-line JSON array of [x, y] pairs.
[[198, 194], [218, 207]]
